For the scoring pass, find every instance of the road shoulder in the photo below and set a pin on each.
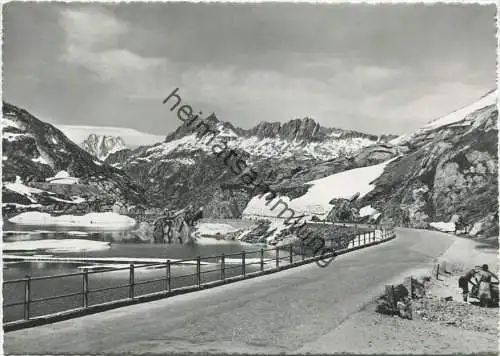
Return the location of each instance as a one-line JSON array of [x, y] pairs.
[[369, 332]]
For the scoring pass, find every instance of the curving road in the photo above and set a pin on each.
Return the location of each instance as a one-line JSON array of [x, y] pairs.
[[276, 313]]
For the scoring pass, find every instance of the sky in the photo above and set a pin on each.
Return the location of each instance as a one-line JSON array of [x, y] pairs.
[[371, 68]]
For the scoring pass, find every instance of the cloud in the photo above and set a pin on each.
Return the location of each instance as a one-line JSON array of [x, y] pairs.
[[92, 42], [371, 68], [87, 28]]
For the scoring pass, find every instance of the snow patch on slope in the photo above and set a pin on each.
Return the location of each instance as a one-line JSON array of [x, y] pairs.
[[19, 188], [316, 201]]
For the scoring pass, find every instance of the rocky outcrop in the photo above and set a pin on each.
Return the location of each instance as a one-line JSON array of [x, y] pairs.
[[299, 129], [343, 210]]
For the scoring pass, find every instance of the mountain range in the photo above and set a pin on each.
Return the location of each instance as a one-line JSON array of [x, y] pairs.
[[183, 169], [447, 167]]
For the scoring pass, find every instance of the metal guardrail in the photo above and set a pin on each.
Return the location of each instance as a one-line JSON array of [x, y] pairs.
[[277, 259]]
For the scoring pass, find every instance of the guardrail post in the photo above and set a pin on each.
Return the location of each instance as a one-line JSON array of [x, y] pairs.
[[27, 297], [364, 238], [85, 288], [261, 259], [168, 277], [302, 250], [277, 257], [291, 253], [198, 271], [131, 282], [243, 272], [222, 267]]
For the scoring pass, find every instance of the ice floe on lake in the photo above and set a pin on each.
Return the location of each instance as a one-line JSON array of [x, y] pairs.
[[54, 245], [105, 220]]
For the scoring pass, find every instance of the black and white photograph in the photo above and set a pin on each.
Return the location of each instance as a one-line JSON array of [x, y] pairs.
[[240, 178]]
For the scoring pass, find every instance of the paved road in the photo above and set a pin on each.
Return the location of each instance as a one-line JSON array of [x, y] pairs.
[[270, 314]]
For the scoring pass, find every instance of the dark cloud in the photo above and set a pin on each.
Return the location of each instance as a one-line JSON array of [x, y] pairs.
[[376, 68]]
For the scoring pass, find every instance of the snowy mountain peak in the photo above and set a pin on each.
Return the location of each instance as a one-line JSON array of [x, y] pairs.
[[133, 138], [101, 146], [461, 117], [460, 114]]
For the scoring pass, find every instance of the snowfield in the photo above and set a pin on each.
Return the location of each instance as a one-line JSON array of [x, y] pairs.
[[100, 220], [316, 200]]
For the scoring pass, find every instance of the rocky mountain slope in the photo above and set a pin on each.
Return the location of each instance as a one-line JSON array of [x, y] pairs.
[[451, 167], [446, 168], [101, 146], [184, 168], [43, 170]]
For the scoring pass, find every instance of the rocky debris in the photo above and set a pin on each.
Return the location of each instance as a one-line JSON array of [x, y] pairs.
[[454, 313], [258, 233], [430, 302], [400, 300]]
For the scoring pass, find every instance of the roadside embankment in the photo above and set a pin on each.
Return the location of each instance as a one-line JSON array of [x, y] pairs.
[[440, 324]]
